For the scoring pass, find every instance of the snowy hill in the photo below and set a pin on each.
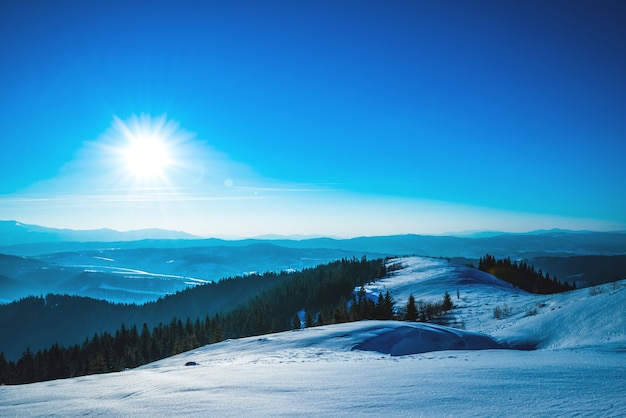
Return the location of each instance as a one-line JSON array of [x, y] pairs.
[[361, 368], [590, 316]]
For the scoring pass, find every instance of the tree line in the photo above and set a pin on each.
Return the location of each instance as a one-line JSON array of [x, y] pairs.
[[523, 275], [41, 321], [326, 294], [322, 290]]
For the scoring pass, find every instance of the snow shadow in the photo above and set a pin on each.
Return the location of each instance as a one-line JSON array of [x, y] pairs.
[[423, 338]]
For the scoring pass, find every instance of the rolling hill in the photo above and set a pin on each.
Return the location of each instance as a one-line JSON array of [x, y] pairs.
[[365, 368], [128, 267]]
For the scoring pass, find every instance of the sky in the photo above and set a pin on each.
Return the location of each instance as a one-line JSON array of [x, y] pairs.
[[340, 118]]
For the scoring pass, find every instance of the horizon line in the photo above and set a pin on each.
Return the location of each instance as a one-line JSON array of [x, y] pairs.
[[472, 234]]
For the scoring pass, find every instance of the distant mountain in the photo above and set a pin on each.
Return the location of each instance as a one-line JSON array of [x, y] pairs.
[[27, 240], [17, 233], [127, 267], [474, 234], [294, 237], [139, 275], [24, 240], [554, 243], [585, 270]]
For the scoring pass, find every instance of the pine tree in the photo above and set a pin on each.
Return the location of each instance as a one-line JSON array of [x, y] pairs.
[[411, 309], [447, 302], [388, 306], [320, 319], [361, 304], [297, 323], [379, 312], [145, 343]]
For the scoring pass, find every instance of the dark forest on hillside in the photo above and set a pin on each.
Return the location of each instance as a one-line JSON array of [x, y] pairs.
[[321, 292], [322, 295], [232, 308], [523, 275]]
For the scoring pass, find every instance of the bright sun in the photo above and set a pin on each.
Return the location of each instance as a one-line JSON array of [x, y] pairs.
[[147, 156], [146, 147]]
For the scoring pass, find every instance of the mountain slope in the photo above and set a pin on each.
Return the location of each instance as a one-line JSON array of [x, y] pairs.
[[578, 368], [578, 318], [316, 372]]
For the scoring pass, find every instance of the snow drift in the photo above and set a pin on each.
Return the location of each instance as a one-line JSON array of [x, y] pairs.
[[423, 338]]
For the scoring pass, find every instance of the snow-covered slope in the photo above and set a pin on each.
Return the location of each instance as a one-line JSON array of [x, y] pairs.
[[590, 316], [347, 370]]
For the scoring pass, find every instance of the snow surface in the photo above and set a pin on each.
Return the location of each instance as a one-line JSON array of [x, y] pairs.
[[365, 369]]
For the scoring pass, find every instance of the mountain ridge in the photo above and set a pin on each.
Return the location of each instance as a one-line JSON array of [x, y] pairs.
[[15, 233], [508, 245]]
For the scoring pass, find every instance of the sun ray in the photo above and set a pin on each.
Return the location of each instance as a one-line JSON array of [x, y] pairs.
[[145, 150], [147, 156]]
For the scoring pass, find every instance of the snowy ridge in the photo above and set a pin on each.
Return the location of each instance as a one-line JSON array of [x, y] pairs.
[[584, 317], [366, 368]]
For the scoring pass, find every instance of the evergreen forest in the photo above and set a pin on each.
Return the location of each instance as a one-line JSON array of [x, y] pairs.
[[321, 292], [523, 275], [231, 308]]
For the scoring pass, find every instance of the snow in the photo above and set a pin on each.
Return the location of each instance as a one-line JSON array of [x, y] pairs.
[[104, 259], [585, 317], [423, 338], [366, 368]]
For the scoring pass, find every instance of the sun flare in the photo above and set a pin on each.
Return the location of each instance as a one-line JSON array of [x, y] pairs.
[[146, 148], [147, 157]]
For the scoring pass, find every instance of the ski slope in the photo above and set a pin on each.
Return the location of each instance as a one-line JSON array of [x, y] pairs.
[[366, 369]]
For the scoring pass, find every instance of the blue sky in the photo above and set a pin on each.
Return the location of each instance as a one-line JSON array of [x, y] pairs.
[[339, 118]]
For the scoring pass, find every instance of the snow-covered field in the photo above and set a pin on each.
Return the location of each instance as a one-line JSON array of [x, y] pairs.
[[579, 368]]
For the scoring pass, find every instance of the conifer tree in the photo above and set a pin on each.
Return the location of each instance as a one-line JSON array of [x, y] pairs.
[[447, 302], [379, 312], [388, 306], [320, 319], [297, 324], [411, 309]]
